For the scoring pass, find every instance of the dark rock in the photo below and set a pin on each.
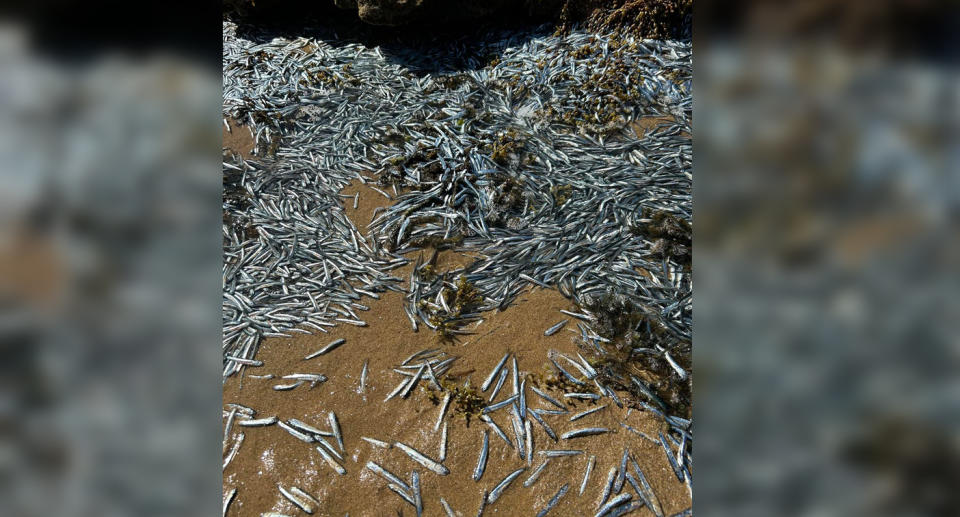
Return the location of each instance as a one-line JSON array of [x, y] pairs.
[[401, 12], [388, 12]]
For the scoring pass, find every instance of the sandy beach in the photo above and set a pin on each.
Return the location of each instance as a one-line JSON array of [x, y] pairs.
[[268, 458]]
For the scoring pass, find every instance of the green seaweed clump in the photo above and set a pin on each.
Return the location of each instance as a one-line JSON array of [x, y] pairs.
[[464, 400]]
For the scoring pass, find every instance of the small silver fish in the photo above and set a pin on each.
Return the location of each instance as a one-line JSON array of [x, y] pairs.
[[613, 503], [584, 413], [503, 485], [494, 372], [333, 345], [554, 329], [420, 458], [482, 459], [536, 473], [299, 502], [330, 461], [586, 473], [335, 427], [386, 474], [260, 422], [586, 431], [554, 500]]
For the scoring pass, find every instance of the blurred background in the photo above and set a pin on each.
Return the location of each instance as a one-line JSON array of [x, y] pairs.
[[109, 260], [826, 252], [826, 249]]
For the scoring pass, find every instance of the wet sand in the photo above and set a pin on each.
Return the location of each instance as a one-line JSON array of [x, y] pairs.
[[238, 139], [269, 455]]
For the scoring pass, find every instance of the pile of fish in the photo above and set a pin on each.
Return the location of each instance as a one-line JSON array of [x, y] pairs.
[[484, 156], [341, 112]]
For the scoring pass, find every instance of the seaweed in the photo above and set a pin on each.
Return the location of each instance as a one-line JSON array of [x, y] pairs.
[[672, 236], [508, 198], [465, 400], [561, 194], [658, 19], [629, 326], [507, 147]]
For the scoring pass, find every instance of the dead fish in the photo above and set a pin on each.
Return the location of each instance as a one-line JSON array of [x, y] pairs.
[[555, 328], [417, 499], [503, 485], [616, 501], [528, 432], [494, 373], [650, 496], [386, 474], [363, 377], [413, 382], [397, 390], [639, 433], [670, 459], [582, 396], [536, 473], [233, 450], [286, 387], [305, 496], [312, 378], [420, 458], [301, 503], [403, 495], [556, 453], [496, 428], [587, 431], [333, 345], [482, 459], [554, 500], [582, 316], [582, 414], [543, 424], [375, 442], [443, 444], [607, 486], [622, 472], [586, 473], [260, 422], [502, 404], [516, 376], [227, 500], [567, 374], [523, 400], [335, 427], [243, 361], [446, 508], [518, 433], [496, 389], [330, 461], [587, 370], [548, 398], [308, 428], [443, 409], [295, 433]]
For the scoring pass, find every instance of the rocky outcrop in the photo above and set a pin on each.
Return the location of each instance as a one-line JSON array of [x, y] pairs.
[[645, 18], [401, 12], [388, 12]]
